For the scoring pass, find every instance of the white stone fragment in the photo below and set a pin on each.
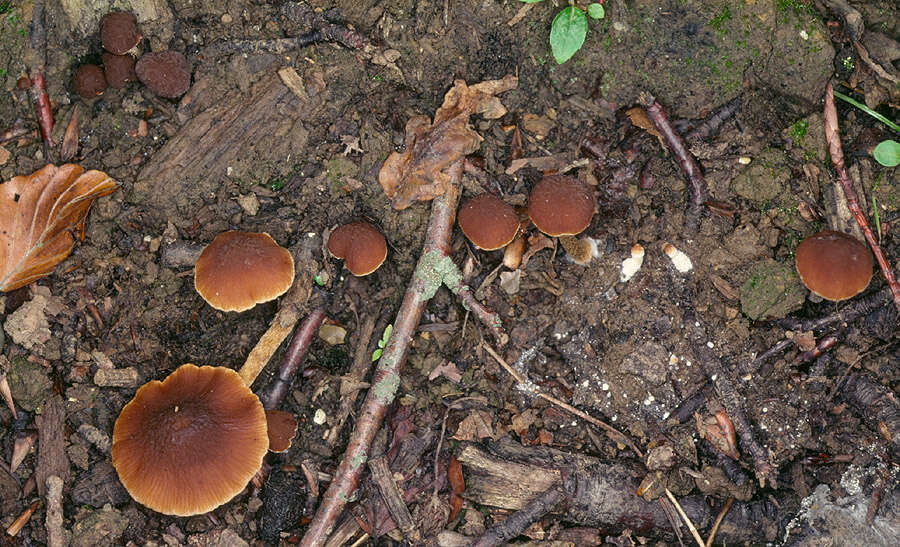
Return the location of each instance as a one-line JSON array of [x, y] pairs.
[[681, 261], [319, 417], [630, 266]]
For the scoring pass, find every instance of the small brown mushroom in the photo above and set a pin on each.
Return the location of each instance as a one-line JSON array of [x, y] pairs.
[[360, 245], [119, 69], [488, 222], [281, 428], [166, 73], [89, 81], [190, 443], [239, 270], [560, 206], [119, 32], [834, 265]]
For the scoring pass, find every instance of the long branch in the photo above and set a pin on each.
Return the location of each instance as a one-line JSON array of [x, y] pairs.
[[426, 280], [833, 137]]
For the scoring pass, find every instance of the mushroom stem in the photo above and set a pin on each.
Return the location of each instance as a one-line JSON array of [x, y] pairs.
[[832, 136]]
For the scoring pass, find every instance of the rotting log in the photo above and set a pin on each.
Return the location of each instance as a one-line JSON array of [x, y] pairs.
[[228, 139], [600, 494]]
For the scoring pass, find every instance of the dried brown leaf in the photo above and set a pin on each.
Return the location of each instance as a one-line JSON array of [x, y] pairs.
[[431, 147], [38, 213], [69, 146]]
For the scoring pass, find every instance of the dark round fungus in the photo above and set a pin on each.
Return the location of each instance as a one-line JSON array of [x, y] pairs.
[[119, 32], [89, 81], [119, 70], [166, 73]]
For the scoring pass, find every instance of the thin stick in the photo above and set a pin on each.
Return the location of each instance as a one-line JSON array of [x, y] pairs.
[[832, 136], [689, 166], [715, 528], [516, 523], [686, 519], [427, 278], [522, 381], [293, 359]]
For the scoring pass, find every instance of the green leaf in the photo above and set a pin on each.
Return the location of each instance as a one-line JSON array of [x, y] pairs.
[[376, 355], [887, 153], [596, 11], [567, 33], [384, 337]]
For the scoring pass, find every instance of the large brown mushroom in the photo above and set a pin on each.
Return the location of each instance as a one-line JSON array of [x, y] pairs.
[[239, 270], [190, 443], [119, 69], [488, 222], [360, 245], [834, 265]]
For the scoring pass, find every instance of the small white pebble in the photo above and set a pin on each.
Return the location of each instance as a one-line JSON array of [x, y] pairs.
[[713, 377], [319, 417], [630, 266], [673, 359], [744, 160], [710, 345], [605, 386], [804, 34], [666, 415], [681, 261]]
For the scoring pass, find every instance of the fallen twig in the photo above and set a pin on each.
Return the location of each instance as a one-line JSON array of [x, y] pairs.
[[715, 528], [689, 165], [685, 518], [728, 396], [832, 136], [56, 535], [37, 59], [516, 523], [614, 433], [433, 267], [362, 362], [393, 499], [293, 358]]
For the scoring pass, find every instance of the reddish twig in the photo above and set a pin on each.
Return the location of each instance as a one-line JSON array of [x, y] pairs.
[[293, 358], [37, 59], [433, 268], [832, 136], [687, 162]]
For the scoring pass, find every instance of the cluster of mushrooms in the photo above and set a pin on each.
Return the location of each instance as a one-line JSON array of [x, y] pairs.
[[192, 442], [165, 73]]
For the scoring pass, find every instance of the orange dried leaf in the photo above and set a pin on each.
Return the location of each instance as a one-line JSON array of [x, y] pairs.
[[37, 212], [431, 147]]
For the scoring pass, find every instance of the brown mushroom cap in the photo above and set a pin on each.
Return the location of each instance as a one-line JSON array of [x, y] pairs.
[[166, 73], [360, 245], [281, 428], [239, 270], [119, 69], [89, 81], [834, 265], [119, 32], [488, 221], [190, 443], [560, 205]]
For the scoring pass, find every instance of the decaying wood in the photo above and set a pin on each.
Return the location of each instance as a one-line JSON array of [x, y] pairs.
[[52, 459], [265, 121], [393, 498], [56, 534], [602, 494]]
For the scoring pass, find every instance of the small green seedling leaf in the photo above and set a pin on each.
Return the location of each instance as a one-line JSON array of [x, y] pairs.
[[376, 355], [319, 281], [887, 153], [567, 33], [596, 11]]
